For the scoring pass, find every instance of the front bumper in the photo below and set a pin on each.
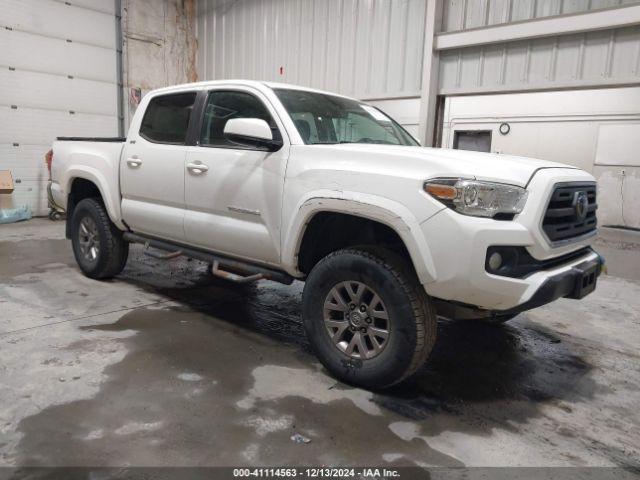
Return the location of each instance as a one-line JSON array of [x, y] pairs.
[[577, 282], [458, 247]]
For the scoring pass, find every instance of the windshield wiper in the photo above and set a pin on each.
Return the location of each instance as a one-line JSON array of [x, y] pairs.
[[373, 142]]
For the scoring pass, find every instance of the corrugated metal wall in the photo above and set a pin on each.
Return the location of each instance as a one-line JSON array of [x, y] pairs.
[[373, 49], [597, 58], [58, 75], [362, 48], [608, 57], [466, 14]]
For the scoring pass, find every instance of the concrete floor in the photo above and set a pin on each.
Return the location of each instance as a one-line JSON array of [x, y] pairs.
[[163, 366]]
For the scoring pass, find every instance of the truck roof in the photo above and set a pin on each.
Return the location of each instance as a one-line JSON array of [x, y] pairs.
[[249, 83]]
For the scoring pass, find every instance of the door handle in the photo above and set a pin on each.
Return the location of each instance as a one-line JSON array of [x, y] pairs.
[[197, 168], [134, 162]]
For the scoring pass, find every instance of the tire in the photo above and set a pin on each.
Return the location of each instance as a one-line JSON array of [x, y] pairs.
[[411, 324], [110, 254]]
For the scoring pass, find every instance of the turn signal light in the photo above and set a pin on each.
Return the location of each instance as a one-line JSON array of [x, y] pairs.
[[443, 192]]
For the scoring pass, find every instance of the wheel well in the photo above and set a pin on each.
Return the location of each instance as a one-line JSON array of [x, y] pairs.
[[81, 188], [330, 231]]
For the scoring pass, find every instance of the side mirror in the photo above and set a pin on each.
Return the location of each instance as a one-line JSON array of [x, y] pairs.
[[251, 132]]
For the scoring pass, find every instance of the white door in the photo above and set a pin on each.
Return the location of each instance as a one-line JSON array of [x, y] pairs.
[[58, 78], [234, 201], [152, 169]]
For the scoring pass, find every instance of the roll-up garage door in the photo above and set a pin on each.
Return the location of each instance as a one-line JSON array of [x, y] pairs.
[[58, 77]]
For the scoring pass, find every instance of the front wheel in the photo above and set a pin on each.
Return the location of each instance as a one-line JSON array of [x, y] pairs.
[[98, 246], [367, 317]]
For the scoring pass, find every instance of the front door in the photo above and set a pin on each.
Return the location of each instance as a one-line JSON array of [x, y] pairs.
[[152, 168], [233, 193]]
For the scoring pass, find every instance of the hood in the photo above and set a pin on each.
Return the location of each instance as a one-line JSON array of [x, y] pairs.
[[443, 162]]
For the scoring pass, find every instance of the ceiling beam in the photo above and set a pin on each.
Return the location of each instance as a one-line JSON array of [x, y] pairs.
[[541, 27]]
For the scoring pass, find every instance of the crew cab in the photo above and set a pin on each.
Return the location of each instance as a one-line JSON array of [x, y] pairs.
[[278, 182]]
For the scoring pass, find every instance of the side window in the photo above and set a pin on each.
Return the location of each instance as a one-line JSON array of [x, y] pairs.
[[221, 107], [306, 125], [167, 118]]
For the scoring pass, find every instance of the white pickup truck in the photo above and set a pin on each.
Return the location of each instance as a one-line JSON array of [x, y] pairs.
[[272, 181]]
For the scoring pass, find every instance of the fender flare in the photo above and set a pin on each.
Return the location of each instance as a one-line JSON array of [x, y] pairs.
[[380, 209], [93, 175]]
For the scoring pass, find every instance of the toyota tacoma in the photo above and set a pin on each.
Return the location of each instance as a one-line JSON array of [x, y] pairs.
[[279, 182]]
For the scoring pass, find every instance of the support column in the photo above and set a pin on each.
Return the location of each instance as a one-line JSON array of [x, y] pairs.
[[430, 70]]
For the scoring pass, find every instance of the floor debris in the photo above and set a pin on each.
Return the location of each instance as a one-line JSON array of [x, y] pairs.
[[297, 438]]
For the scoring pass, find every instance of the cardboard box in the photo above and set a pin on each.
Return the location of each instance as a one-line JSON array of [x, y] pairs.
[[6, 181]]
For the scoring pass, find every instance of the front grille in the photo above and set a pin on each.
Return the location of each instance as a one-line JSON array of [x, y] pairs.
[[562, 220]]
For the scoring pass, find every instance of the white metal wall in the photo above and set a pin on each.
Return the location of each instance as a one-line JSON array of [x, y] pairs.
[[406, 111], [58, 77], [465, 14], [361, 48], [601, 57], [608, 57]]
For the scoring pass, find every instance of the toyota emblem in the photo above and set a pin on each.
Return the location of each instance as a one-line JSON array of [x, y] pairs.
[[581, 204]]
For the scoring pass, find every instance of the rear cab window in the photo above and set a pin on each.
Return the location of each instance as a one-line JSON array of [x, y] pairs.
[[166, 119]]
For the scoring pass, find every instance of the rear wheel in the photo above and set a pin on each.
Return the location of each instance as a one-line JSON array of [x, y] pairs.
[[98, 246], [367, 317]]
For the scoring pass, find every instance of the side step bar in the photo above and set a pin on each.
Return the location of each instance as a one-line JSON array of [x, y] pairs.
[[219, 262]]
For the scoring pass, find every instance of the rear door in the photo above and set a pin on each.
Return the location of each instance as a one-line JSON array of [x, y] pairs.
[[152, 169], [234, 193]]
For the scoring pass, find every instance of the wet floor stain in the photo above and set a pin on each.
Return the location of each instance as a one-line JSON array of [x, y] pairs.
[[225, 376], [232, 381], [31, 256], [471, 362], [148, 410]]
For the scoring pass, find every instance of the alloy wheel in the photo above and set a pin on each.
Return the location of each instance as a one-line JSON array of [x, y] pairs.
[[356, 320], [89, 239]]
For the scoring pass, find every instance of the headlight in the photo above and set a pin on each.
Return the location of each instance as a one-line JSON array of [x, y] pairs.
[[476, 198]]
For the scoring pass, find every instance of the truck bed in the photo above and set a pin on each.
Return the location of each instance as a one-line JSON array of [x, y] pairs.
[[94, 159]]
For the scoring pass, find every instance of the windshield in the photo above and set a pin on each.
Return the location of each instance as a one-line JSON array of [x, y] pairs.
[[327, 119]]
